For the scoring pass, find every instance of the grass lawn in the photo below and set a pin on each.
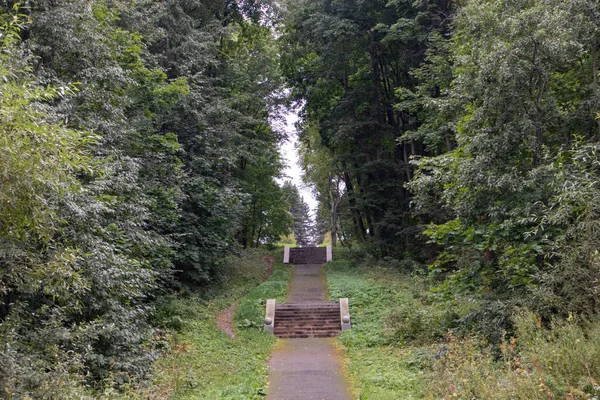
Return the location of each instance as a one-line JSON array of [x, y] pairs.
[[381, 370]]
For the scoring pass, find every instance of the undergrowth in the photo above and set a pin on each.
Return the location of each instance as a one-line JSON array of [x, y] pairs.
[[204, 363], [403, 345]]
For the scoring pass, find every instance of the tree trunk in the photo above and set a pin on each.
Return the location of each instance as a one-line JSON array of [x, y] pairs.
[[332, 213], [376, 78], [595, 74], [370, 225], [358, 222]]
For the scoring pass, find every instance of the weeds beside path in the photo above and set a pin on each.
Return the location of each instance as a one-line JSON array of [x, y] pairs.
[[204, 362], [403, 345], [225, 318]]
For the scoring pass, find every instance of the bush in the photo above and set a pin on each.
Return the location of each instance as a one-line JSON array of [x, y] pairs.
[[205, 363]]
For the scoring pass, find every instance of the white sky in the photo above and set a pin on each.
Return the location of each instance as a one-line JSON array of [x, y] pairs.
[[289, 154]]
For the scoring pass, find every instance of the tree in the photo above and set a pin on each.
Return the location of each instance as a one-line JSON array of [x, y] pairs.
[[41, 283], [300, 212], [523, 94], [357, 58]]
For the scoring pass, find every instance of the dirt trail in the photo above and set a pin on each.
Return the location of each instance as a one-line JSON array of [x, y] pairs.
[[269, 260], [307, 369], [225, 320], [225, 317]]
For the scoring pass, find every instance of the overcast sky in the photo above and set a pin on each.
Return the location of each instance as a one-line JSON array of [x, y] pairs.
[[290, 156]]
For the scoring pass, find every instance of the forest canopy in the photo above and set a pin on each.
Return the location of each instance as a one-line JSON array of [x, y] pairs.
[[457, 140], [137, 152]]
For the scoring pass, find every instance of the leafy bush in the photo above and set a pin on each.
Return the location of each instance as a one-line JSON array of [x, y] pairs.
[[389, 306], [405, 345]]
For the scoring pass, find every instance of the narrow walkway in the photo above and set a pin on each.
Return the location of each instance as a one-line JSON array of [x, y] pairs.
[[307, 284], [307, 369]]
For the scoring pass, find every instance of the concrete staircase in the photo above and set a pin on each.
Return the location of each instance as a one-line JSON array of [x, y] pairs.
[[307, 320]]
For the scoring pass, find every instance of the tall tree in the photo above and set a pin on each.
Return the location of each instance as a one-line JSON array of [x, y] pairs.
[[524, 101], [302, 226], [356, 58], [179, 107]]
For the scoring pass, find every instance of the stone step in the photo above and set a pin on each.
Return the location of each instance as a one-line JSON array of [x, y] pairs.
[[325, 308], [316, 322], [316, 303], [309, 304], [305, 313], [322, 332], [289, 310], [306, 309], [307, 333], [304, 319], [328, 327], [306, 330], [307, 321], [307, 316]]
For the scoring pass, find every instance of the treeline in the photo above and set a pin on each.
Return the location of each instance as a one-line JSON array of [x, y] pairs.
[[461, 134], [136, 151]]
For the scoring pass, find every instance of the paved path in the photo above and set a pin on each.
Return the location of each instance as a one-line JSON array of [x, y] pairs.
[[307, 369], [307, 284]]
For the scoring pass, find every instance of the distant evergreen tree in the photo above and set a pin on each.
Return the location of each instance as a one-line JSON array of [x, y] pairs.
[[302, 224], [320, 229]]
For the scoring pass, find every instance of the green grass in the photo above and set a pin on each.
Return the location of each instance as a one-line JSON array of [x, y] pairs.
[[326, 240], [288, 240], [205, 363], [404, 346], [381, 368]]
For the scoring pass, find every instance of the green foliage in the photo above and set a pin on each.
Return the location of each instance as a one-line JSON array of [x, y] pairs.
[[40, 156], [391, 319], [569, 283], [348, 62], [96, 225], [404, 345], [250, 312], [40, 281], [520, 106], [302, 224], [139, 147], [389, 308]]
